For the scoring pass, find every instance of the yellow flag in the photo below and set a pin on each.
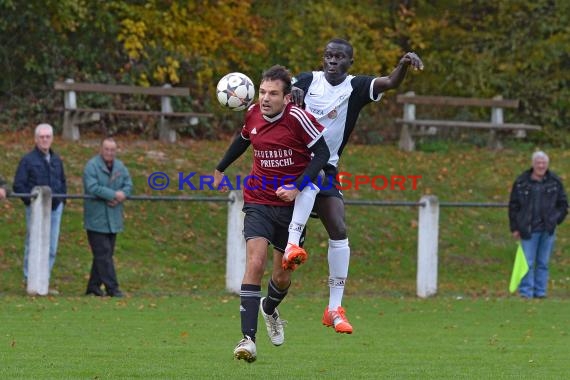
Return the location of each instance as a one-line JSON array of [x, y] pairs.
[[520, 269]]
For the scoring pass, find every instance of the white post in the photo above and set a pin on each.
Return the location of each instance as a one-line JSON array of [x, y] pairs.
[[38, 258], [165, 133], [427, 246], [235, 249], [406, 141], [497, 118], [70, 129]]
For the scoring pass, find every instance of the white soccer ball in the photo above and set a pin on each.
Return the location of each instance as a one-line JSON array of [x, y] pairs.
[[235, 91]]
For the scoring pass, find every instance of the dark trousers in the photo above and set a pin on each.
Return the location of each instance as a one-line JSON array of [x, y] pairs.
[[102, 268]]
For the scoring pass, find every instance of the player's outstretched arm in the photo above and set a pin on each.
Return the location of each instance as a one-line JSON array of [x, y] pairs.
[[396, 77]]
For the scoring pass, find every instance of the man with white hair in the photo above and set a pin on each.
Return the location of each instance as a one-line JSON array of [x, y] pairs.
[[538, 204], [42, 167]]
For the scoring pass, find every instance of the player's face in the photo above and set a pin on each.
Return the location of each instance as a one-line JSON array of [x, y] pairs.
[[336, 61], [272, 99]]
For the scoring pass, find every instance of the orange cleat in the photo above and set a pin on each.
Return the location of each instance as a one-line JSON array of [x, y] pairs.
[[337, 319], [293, 257]]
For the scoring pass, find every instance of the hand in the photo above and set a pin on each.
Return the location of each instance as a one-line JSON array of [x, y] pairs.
[[113, 203], [287, 194], [516, 235], [218, 177], [2, 193], [413, 60], [297, 95], [120, 196]]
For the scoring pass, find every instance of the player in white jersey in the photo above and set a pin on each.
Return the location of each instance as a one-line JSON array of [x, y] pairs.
[[335, 98]]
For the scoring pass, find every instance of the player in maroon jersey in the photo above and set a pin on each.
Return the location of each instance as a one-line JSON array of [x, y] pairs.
[[283, 137]]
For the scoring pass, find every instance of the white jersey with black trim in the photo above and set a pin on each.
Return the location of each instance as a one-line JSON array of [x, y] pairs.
[[336, 107]]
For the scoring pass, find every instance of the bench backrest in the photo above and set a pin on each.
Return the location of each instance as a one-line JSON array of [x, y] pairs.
[[456, 101], [121, 89]]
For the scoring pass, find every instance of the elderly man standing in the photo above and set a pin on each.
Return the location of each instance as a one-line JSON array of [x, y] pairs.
[[537, 205], [108, 179], [42, 167]]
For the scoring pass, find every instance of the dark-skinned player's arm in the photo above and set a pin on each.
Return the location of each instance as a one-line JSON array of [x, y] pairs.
[[395, 78]]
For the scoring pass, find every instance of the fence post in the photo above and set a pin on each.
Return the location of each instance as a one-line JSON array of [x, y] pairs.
[[70, 129], [38, 257], [235, 248], [427, 246], [406, 141], [165, 133]]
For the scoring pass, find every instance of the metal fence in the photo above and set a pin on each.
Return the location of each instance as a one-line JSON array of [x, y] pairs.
[[427, 247]]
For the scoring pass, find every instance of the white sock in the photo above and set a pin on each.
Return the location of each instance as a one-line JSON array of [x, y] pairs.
[[303, 206], [339, 258]]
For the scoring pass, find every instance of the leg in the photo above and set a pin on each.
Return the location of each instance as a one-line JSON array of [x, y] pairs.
[[102, 246], [277, 290], [294, 254], [331, 213], [279, 284], [54, 234], [543, 252], [250, 294], [530, 246]]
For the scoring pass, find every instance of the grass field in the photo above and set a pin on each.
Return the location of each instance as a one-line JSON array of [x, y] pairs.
[[177, 321], [193, 337]]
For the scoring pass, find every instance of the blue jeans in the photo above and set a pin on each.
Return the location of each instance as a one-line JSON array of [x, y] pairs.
[[53, 239], [537, 251]]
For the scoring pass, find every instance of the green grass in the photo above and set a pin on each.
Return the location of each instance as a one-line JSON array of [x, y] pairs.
[[178, 322], [193, 337], [180, 248]]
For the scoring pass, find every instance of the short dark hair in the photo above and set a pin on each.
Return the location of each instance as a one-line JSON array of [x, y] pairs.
[[278, 72], [340, 41]]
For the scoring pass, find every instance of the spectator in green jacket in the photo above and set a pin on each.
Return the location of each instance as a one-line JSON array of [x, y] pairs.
[[108, 179]]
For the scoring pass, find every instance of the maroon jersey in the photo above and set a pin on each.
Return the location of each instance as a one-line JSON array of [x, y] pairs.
[[280, 151]]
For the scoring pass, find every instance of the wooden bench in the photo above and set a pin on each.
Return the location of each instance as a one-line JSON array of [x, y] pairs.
[[74, 116], [410, 126]]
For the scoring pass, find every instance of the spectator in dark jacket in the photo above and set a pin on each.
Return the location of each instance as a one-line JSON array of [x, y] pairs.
[[42, 167], [538, 203]]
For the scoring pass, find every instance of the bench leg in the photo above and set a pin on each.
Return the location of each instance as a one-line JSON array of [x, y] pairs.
[[406, 142], [165, 132], [494, 142], [70, 129]]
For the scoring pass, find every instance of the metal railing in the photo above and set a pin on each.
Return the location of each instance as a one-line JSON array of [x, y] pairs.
[[427, 247]]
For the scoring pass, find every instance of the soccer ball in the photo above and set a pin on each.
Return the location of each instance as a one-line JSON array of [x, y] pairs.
[[235, 91]]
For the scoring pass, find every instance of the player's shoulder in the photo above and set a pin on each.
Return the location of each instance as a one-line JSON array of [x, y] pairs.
[[360, 79]]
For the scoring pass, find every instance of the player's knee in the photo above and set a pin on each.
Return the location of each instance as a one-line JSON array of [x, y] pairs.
[[338, 232], [256, 264], [282, 279]]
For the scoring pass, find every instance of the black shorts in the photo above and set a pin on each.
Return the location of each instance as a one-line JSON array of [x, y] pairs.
[[270, 223], [328, 185]]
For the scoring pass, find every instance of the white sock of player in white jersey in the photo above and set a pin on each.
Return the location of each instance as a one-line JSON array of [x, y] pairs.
[[339, 258], [303, 206]]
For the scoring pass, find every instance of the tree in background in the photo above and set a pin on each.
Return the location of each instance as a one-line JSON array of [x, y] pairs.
[[474, 48]]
